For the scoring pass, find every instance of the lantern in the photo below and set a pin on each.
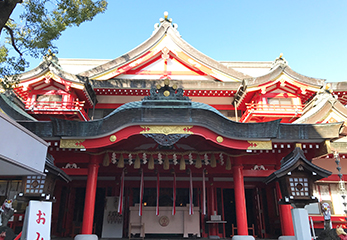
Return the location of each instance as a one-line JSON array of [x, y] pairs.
[[42, 187], [296, 178]]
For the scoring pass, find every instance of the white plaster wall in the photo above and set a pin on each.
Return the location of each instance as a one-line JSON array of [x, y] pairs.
[[336, 199]]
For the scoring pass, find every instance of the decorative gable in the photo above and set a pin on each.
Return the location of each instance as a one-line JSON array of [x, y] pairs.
[[280, 94], [324, 108], [164, 64], [165, 55], [47, 90]]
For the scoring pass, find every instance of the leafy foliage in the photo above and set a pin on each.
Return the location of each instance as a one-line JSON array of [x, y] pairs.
[[42, 22]]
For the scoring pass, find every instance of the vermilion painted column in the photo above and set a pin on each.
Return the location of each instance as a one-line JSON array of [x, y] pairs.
[[212, 199], [286, 219], [240, 200], [89, 202], [213, 226]]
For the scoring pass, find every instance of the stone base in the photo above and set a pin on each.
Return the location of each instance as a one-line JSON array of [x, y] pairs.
[[287, 238], [214, 237], [242, 237], [86, 237]]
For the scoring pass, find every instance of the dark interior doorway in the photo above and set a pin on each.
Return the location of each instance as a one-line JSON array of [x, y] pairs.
[[250, 207], [229, 210], [98, 211]]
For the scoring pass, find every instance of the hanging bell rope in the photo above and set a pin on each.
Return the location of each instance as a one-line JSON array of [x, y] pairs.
[[137, 163], [209, 158], [213, 161], [182, 163], [121, 161], [151, 163], [166, 163], [106, 160], [198, 163], [228, 164]]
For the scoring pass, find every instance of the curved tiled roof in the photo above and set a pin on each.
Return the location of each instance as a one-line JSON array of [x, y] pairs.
[[194, 105], [196, 114], [47, 66], [320, 106], [53, 67], [291, 161], [55, 170], [12, 110], [277, 70], [204, 58], [144, 83], [339, 86], [168, 106], [165, 28], [273, 74], [135, 113]]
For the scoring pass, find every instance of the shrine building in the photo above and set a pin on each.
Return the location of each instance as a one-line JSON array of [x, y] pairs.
[[164, 141]]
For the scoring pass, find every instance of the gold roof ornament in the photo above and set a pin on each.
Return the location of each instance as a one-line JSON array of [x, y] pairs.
[[165, 92], [163, 20], [280, 61], [166, 14], [328, 88], [51, 57]]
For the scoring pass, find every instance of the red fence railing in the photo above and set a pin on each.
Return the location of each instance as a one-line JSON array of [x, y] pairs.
[[54, 105], [274, 107]]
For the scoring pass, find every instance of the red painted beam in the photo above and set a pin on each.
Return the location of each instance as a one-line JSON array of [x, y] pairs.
[[76, 171], [223, 107], [108, 105], [257, 173], [318, 221], [136, 130], [332, 178]]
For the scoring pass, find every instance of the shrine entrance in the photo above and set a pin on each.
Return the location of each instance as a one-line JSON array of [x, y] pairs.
[[229, 210], [181, 223], [165, 197], [256, 205], [79, 196]]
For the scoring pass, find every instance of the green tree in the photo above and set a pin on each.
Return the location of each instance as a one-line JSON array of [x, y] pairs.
[[41, 22]]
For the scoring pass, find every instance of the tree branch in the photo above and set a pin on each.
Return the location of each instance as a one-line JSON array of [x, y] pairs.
[[6, 9], [10, 31]]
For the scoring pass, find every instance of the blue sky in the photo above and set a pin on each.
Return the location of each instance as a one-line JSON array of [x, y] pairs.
[[312, 35]]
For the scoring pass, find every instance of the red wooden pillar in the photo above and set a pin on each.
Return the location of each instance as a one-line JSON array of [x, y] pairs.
[[212, 199], [213, 226], [89, 202], [286, 219], [240, 200]]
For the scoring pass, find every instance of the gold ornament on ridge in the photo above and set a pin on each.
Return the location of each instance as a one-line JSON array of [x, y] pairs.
[[113, 138]]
